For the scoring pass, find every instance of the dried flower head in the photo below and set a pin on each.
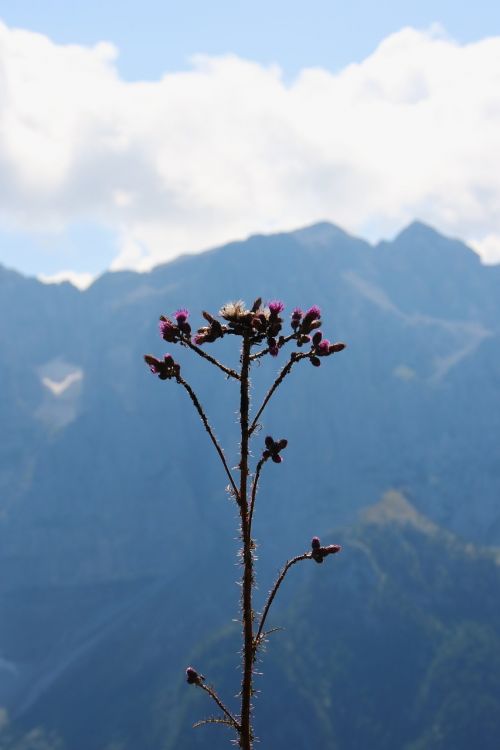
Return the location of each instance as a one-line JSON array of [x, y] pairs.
[[233, 311]]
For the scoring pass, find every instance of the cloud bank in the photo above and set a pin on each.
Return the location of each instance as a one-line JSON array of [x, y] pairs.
[[229, 148]]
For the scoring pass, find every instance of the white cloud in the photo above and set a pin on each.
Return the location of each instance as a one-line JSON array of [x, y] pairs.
[[228, 148]]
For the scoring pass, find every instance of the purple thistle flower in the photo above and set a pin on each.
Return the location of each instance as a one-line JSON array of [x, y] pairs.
[[167, 330], [181, 315], [276, 306], [314, 313]]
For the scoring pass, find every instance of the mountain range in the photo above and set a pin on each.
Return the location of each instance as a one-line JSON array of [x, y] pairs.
[[117, 542]]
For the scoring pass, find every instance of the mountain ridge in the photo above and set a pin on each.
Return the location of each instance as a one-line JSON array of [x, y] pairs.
[[108, 486], [318, 233]]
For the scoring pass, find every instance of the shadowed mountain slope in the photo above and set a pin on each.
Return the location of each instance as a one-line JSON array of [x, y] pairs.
[[111, 500]]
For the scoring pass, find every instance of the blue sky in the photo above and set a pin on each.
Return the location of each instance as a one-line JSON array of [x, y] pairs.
[[85, 191], [155, 36]]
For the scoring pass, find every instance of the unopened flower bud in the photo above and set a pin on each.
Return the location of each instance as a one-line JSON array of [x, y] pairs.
[[273, 448], [319, 553], [315, 361], [273, 347], [192, 676], [323, 347], [337, 347], [332, 549], [296, 318], [304, 339], [165, 369]]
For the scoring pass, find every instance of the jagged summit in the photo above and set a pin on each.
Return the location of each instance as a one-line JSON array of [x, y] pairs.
[[321, 233], [422, 238], [418, 230]]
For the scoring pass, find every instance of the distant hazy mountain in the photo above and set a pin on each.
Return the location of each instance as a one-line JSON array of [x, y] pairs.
[[114, 526]]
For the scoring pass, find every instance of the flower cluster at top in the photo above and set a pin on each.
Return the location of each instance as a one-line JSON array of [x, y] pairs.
[[263, 324]]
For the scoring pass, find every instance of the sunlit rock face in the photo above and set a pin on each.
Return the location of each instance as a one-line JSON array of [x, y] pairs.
[[63, 384]]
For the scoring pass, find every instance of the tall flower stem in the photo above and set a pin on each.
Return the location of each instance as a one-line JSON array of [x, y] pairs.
[[255, 326], [246, 735]]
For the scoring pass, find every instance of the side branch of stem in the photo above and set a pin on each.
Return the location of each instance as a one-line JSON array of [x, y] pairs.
[[273, 592], [201, 353], [284, 372], [254, 492], [203, 417], [211, 692]]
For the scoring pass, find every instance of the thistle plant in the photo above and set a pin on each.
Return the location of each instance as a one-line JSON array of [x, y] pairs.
[[260, 330]]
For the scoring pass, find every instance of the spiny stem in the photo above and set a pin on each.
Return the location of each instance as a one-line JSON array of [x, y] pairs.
[[274, 591], [254, 491], [229, 372], [247, 582], [284, 372], [211, 692], [212, 720], [203, 417]]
